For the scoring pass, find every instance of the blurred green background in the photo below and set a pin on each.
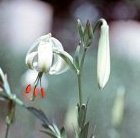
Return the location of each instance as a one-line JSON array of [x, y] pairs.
[[21, 22]]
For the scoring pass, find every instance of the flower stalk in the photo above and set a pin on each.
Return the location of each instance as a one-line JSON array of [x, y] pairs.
[[10, 117], [79, 77]]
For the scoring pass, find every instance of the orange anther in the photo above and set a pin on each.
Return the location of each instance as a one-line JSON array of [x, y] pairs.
[[42, 92], [28, 89], [36, 90]]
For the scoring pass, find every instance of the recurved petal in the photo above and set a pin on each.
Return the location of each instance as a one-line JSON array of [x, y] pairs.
[[30, 59], [59, 65], [34, 46], [103, 59], [56, 44], [67, 55], [45, 56]]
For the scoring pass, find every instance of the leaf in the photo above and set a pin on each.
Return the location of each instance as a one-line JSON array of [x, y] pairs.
[[80, 29], [39, 114], [45, 126], [14, 98], [88, 34], [56, 130], [84, 131], [48, 133]]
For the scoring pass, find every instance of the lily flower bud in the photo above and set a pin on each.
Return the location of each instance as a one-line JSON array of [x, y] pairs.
[[103, 59]]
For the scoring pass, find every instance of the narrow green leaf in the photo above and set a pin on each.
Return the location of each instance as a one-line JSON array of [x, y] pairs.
[[80, 29], [88, 34], [14, 98], [56, 129], [49, 134], [45, 126], [39, 114]]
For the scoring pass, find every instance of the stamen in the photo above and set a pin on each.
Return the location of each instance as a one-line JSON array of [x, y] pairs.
[[28, 89], [38, 78], [42, 92], [36, 90]]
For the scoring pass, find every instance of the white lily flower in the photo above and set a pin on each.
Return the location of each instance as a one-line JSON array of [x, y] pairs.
[[43, 58], [103, 59]]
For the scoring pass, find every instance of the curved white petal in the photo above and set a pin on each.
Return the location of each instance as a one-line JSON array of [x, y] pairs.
[[45, 56], [103, 59], [56, 44], [67, 55], [32, 52], [59, 65], [30, 58], [34, 46], [43, 38]]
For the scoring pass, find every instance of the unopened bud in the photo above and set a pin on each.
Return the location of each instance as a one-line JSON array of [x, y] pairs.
[[103, 59]]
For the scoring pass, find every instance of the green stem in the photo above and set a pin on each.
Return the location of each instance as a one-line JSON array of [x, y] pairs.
[[10, 116], [79, 77], [7, 130], [80, 89], [83, 59]]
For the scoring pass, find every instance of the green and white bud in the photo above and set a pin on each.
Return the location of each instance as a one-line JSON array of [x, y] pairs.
[[103, 59]]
